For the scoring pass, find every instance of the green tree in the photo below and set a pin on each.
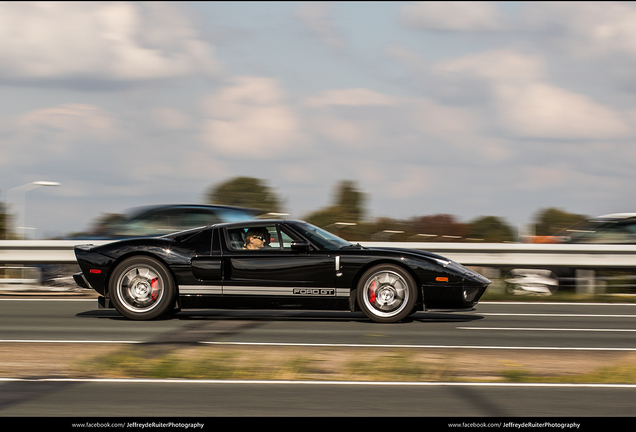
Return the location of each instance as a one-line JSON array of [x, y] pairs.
[[549, 221], [386, 229], [347, 208], [491, 229], [245, 192], [350, 201], [440, 227]]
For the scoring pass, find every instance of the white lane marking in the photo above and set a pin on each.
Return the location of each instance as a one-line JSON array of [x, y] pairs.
[[334, 345], [558, 315], [51, 299], [555, 303], [68, 341], [306, 382], [490, 347], [546, 329]]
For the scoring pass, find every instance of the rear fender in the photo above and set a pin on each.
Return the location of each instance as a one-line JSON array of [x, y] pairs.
[[133, 254]]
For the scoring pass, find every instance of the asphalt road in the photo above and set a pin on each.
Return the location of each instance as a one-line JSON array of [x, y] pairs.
[[510, 325], [585, 327]]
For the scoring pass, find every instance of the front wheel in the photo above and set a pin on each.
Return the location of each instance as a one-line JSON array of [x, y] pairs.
[[387, 293], [141, 288]]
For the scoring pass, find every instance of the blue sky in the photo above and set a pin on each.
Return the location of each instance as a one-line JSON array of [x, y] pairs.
[[469, 109]]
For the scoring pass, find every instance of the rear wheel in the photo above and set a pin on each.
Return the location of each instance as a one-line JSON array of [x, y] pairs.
[[141, 288], [386, 293]]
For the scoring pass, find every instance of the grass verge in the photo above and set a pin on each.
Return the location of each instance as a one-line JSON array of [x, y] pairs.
[[219, 362]]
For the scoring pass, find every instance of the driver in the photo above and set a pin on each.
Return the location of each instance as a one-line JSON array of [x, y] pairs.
[[255, 238]]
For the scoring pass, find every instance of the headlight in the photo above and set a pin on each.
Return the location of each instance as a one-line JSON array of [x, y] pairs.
[[470, 293]]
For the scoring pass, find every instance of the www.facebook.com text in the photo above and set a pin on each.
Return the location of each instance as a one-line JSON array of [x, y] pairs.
[[516, 425], [139, 425]]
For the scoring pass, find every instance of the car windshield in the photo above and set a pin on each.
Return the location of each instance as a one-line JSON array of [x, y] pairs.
[[233, 215], [322, 238], [601, 231], [582, 229]]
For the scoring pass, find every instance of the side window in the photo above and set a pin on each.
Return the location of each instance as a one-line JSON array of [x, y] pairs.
[[198, 217], [162, 222], [286, 241], [279, 239], [252, 238], [158, 223], [235, 238], [258, 238]]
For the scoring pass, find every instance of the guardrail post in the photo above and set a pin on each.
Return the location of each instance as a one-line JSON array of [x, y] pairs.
[[494, 274], [585, 282]]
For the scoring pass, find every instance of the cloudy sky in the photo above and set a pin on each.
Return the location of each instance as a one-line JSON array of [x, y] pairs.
[[470, 109]]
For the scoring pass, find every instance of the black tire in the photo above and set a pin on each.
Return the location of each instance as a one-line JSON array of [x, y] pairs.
[[141, 288], [387, 293]]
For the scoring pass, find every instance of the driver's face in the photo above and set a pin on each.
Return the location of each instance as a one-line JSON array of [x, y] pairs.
[[257, 242]]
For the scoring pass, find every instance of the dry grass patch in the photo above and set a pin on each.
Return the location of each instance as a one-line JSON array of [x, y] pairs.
[[309, 363]]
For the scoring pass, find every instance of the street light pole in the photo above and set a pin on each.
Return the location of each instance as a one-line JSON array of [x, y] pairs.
[[21, 200]]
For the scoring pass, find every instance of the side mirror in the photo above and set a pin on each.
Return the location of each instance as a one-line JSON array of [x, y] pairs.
[[300, 246]]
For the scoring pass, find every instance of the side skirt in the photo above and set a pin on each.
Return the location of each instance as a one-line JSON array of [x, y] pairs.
[[251, 302]]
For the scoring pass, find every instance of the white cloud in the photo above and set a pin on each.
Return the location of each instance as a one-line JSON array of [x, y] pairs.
[[449, 123], [406, 181], [337, 130], [58, 137], [170, 118], [368, 120], [250, 119], [68, 121], [543, 110], [459, 15], [316, 16], [562, 176], [352, 97], [498, 65], [585, 28], [110, 40], [529, 106]]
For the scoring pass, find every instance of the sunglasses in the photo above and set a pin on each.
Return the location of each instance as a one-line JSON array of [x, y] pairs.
[[259, 238]]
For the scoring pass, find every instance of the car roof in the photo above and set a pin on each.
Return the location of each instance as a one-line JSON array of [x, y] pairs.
[[616, 216], [254, 222], [138, 211]]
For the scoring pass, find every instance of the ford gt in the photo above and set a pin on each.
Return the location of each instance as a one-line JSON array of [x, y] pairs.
[[293, 265]]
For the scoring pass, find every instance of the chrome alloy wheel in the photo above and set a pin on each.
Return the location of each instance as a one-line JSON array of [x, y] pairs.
[[140, 288], [386, 293]]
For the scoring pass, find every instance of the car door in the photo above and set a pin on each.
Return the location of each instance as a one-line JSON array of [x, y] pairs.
[[206, 267], [277, 269]]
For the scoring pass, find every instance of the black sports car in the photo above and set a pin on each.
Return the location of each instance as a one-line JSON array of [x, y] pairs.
[[271, 264]]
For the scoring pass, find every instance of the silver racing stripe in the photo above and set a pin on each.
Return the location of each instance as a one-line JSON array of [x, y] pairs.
[[264, 291], [200, 289]]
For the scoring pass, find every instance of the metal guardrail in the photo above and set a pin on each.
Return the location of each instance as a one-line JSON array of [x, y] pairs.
[[31, 252], [489, 256], [524, 254], [40, 251]]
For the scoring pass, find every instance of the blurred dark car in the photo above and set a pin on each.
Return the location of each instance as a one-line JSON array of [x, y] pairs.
[[158, 220], [617, 228]]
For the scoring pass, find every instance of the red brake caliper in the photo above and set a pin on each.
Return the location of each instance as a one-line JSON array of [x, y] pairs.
[[153, 285], [372, 292]]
